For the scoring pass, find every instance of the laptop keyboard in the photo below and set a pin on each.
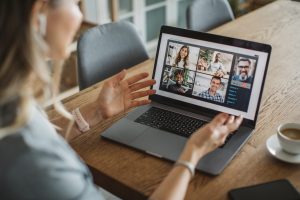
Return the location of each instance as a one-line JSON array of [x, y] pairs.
[[172, 122]]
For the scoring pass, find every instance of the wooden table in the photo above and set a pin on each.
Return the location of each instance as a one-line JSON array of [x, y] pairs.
[[134, 175]]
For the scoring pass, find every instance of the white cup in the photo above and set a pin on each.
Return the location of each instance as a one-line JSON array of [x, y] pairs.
[[288, 144]]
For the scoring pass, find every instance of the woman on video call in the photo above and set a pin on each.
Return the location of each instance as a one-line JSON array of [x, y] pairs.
[[36, 162], [182, 58]]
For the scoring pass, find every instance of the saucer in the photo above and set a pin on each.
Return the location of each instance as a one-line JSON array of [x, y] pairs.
[[275, 149]]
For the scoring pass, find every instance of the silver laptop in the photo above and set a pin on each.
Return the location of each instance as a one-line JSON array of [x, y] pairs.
[[197, 76]]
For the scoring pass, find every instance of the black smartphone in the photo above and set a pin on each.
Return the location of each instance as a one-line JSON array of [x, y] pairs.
[[276, 190]]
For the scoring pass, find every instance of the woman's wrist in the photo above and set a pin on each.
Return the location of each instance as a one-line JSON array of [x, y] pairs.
[[192, 154], [92, 114]]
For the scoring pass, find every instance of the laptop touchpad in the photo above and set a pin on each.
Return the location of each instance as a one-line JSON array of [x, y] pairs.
[[161, 143], [124, 131]]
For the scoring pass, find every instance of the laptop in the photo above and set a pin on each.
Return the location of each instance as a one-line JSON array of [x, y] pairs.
[[198, 75]]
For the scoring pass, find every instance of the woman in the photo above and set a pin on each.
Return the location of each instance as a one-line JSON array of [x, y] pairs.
[[36, 162], [217, 67], [202, 64], [182, 57]]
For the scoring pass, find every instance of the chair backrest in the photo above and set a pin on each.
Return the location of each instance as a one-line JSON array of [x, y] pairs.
[[107, 49], [204, 15]]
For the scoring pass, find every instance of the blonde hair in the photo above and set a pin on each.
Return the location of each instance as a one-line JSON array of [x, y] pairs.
[[22, 64]]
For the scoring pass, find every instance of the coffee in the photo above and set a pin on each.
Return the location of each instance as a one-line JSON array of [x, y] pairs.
[[291, 133]]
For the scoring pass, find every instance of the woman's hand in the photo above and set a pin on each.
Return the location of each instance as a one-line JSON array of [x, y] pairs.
[[206, 139], [210, 136], [119, 95]]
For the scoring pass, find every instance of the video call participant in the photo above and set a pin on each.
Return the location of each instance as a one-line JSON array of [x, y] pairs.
[[182, 58], [202, 64], [177, 87], [243, 71], [212, 93], [217, 66]]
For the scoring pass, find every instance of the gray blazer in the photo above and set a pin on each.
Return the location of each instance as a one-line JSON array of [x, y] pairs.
[[37, 163]]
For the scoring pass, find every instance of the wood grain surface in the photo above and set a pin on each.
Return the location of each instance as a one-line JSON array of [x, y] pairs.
[[134, 175]]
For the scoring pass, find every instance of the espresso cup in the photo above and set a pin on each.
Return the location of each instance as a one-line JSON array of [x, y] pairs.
[[289, 137]]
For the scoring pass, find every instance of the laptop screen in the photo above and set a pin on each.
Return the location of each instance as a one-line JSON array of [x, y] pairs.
[[211, 75]]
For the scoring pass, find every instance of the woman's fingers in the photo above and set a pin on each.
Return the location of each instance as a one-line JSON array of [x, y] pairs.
[[232, 125], [116, 79], [141, 85], [137, 78], [120, 76], [218, 130], [227, 120], [230, 119], [238, 121], [226, 124], [140, 94], [220, 119]]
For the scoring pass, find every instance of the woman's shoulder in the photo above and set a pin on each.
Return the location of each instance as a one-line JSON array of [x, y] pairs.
[[37, 157], [42, 173], [37, 141], [37, 136]]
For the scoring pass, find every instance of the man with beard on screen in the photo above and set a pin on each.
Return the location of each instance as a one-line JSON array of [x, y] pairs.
[[243, 71]]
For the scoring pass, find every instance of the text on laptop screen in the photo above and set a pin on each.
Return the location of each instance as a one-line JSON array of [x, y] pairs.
[[211, 75]]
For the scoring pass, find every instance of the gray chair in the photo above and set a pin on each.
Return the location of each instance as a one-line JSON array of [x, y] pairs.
[[107, 49], [204, 15]]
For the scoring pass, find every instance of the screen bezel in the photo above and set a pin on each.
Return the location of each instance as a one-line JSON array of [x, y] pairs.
[[216, 39]]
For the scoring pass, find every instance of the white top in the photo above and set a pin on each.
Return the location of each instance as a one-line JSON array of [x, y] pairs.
[[214, 67], [180, 64]]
